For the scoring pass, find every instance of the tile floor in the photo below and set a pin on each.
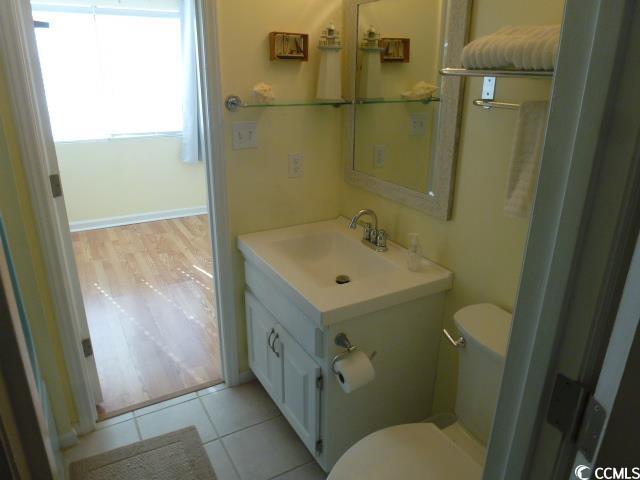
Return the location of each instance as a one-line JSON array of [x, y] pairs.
[[242, 430]]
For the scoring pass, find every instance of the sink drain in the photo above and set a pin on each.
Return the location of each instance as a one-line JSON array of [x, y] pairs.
[[342, 279]]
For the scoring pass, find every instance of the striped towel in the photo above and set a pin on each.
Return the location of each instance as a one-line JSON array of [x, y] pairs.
[[519, 48]]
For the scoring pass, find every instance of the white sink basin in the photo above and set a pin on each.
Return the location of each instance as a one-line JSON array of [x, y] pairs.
[[305, 260]]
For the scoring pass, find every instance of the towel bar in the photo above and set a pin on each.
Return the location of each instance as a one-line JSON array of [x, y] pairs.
[[490, 104], [471, 72]]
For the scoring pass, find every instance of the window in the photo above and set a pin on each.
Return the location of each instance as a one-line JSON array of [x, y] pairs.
[[110, 72]]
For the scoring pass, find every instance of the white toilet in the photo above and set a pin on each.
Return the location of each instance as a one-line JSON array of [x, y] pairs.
[[423, 451]]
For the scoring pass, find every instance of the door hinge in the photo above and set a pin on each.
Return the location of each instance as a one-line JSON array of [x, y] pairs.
[[577, 414], [320, 382], [87, 347], [56, 185], [566, 409], [319, 445], [591, 429]]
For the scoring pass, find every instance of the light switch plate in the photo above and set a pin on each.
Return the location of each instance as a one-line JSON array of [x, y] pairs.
[[379, 155], [245, 135], [296, 165], [418, 124]]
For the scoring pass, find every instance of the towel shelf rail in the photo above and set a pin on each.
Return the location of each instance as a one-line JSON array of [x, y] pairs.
[[490, 104], [473, 72]]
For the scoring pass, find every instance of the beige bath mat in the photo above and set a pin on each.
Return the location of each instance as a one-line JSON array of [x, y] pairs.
[[175, 455]]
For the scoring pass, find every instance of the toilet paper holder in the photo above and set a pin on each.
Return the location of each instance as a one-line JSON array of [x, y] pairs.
[[343, 341]]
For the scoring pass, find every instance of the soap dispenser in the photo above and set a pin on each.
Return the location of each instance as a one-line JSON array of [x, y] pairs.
[[414, 253]]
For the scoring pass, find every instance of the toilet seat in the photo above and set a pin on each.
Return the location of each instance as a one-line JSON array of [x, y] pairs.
[[414, 451]]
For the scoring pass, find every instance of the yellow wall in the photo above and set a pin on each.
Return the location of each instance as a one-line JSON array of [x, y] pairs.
[[481, 245], [17, 212], [261, 196], [128, 176]]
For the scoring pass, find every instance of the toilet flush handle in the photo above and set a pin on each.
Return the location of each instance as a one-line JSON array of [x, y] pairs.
[[459, 343]]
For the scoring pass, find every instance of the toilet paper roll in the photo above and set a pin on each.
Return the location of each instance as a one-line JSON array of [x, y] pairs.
[[354, 370]]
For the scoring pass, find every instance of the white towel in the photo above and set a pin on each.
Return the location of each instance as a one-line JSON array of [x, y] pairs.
[[520, 48], [525, 158]]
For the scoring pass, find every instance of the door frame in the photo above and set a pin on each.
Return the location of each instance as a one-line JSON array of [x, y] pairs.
[[19, 54], [573, 170]]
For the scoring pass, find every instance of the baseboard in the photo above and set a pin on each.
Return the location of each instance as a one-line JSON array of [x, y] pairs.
[[246, 377], [67, 439], [83, 225]]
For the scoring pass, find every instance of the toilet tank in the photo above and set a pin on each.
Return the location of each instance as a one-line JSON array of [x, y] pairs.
[[485, 328]]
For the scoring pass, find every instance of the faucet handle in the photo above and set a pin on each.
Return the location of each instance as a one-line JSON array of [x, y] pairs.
[[366, 231], [381, 239]]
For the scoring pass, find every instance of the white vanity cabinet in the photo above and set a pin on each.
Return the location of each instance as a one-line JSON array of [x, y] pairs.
[[265, 362], [291, 376], [295, 310]]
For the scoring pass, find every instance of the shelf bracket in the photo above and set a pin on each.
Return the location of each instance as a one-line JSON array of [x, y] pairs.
[[489, 88], [233, 103]]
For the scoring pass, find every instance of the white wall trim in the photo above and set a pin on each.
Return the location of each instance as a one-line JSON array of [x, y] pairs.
[[67, 439], [19, 53], [82, 225], [212, 102], [246, 376], [582, 80]]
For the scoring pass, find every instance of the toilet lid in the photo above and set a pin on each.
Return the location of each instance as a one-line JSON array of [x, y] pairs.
[[415, 451]]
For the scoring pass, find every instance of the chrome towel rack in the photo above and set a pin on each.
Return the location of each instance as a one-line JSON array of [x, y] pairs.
[[476, 72], [488, 101], [490, 104]]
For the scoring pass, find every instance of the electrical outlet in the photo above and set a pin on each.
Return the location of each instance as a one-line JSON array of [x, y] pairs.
[[245, 135], [418, 124], [379, 155], [296, 165]]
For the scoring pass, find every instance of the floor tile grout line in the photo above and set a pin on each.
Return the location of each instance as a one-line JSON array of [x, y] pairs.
[[206, 412], [219, 439], [250, 426], [233, 464], [135, 422], [136, 415], [291, 470], [196, 393]]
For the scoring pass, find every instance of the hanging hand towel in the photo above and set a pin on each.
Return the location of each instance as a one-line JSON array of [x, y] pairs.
[[520, 48], [525, 158]]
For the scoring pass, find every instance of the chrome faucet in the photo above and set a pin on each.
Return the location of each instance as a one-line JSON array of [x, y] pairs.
[[372, 236]]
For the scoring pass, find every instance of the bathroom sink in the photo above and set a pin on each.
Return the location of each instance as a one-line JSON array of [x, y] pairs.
[[330, 275], [325, 256]]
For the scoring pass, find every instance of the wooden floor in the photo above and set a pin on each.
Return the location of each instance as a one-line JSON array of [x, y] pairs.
[[151, 309]]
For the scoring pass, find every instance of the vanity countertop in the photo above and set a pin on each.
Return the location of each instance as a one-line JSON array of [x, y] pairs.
[[304, 261]]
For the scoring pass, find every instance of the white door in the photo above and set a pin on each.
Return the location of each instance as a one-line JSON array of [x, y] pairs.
[[301, 392], [62, 227], [625, 330], [68, 285], [264, 361]]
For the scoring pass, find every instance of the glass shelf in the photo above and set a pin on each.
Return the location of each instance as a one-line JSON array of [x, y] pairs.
[[234, 103], [376, 101]]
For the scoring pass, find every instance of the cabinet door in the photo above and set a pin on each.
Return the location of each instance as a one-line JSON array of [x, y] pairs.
[[301, 394], [261, 331]]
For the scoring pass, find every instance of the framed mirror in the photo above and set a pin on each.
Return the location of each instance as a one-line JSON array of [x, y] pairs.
[[403, 126]]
